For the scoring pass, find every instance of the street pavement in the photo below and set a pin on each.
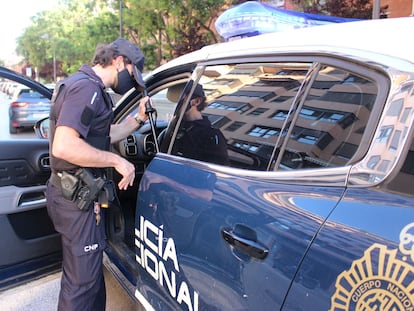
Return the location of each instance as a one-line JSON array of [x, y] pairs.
[[42, 295], [36, 295]]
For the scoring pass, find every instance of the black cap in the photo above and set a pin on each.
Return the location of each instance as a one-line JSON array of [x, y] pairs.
[[198, 92], [134, 54]]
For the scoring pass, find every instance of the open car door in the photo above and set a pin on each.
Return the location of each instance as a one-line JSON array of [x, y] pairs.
[[30, 245]]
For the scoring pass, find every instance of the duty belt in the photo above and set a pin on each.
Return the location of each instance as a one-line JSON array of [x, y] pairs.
[[83, 188], [56, 182]]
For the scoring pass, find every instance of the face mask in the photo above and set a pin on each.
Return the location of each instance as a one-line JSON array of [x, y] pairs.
[[125, 82]]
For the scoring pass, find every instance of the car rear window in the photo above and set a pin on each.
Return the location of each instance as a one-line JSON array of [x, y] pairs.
[[30, 94]]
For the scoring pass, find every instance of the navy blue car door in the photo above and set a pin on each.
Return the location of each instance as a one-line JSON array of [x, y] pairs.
[[30, 245], [211, 240]]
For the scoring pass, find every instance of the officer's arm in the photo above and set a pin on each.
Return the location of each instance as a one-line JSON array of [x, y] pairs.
[[120, 131], [68, 146]]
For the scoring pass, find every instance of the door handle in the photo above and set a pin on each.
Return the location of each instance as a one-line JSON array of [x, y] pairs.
[[32, 200], [244, 239]]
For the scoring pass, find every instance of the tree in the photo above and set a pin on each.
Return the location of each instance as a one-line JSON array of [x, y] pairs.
[[172, 27], [196, 20], [342, 8], [70, 32], [164, 29]]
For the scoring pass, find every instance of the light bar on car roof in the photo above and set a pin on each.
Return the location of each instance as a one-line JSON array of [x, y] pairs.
[[253, 18]]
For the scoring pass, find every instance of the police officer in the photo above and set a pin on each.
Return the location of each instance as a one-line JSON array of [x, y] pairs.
[[81, 132]]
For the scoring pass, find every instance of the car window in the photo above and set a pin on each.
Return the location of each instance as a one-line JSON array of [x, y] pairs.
[[393, 136], [262, 108], [331, 123], [22, 107], [28, 93], [247, 103], [164, 105]]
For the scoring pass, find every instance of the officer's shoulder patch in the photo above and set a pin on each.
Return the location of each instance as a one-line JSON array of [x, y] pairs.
[[87, 116]]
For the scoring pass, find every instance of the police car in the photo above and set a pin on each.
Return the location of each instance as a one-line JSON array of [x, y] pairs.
[[315, 209]]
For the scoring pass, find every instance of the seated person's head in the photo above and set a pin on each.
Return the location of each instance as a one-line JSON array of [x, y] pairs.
[[196, 105], [198, 98]]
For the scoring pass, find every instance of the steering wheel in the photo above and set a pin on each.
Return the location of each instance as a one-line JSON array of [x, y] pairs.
[[140, 145]]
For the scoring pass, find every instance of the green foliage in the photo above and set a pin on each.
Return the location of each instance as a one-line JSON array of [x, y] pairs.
[[164, 29], [70, 32], [172, 27]]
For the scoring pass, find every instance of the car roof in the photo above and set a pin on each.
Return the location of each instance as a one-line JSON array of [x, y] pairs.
[[386, 38]]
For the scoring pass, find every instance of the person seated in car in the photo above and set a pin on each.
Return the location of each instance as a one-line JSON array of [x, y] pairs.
[[197, 138]]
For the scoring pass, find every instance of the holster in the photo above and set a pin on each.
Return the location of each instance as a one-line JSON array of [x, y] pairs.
[[82, 187], [89, 189], [70, 185]]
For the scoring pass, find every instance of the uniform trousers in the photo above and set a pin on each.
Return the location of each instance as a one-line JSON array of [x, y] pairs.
[[83, 242]]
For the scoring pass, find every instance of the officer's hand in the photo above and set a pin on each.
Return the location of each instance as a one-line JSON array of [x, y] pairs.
[[142, 108], [127, 170]]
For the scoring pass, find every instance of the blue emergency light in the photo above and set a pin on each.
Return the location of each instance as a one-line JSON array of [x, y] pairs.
[[253, 18]]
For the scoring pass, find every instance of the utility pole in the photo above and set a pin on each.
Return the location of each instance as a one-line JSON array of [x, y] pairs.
[[54, 61], [376, 7], [52, 40], [120, 18]]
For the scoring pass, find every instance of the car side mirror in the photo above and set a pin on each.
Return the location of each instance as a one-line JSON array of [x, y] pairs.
[[42, 128]]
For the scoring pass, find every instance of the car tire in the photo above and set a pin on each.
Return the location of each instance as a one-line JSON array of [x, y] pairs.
[[12, 129]]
